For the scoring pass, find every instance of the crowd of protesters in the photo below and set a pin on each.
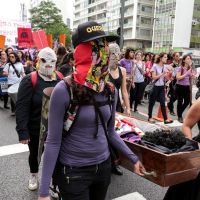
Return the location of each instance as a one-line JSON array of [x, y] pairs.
[[173, 74], [137, 76]]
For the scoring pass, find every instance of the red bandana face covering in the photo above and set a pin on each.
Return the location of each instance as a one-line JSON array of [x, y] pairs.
[[91, 65]]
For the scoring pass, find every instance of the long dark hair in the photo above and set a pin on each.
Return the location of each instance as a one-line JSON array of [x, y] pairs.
[[66, 58], [8, 49], [183, 62], [61, 51], [161, 55], [84, 94], [128, 50], [16, 57], [184, 58]]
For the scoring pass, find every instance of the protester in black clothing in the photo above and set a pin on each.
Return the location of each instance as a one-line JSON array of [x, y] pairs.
[[29, 105], [172, 85], [67, 64]]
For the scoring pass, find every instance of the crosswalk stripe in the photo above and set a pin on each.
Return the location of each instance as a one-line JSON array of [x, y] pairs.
[[132, 196], [13, 149]]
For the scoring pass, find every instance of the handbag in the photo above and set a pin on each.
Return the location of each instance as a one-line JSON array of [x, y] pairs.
[[151, 85]]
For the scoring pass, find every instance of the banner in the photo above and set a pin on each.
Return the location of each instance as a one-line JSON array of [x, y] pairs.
[[2, 41], [40, 39], [25, 38], [9, 29], [50, 40], [62, 39]]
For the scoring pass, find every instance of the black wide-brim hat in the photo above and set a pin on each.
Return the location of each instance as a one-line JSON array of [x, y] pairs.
[[89, 31]]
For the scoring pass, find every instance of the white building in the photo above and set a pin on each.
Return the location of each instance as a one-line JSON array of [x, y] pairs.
[[172, 24], [138, 18], [61, 4]]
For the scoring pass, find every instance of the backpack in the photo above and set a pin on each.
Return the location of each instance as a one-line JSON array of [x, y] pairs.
[[34, 77], [74, 108]]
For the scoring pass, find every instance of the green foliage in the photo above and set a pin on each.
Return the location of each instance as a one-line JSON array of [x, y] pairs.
[[46, 16]]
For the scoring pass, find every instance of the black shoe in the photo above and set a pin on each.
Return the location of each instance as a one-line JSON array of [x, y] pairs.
[[172, 113], [117, 170], [168, 121], [6, 107], [180, 119]]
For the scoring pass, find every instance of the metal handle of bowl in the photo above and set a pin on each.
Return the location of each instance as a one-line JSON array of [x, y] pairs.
[[150, 174]]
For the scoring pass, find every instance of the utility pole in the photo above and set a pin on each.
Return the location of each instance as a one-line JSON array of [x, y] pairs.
[[122, 24]]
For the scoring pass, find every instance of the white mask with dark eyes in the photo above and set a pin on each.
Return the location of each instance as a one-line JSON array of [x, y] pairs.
[[114, 55], [47, 61]]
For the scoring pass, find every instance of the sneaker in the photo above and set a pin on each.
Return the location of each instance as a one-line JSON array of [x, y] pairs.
[[53, 194], [12, 113], [172, 113], [168, 121], [33, 182], [180, 119], [151, 120]]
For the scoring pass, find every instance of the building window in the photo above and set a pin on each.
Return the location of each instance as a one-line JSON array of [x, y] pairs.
[[147, 9], [145, 32], [145, 21], [91, 1], [91, 10]]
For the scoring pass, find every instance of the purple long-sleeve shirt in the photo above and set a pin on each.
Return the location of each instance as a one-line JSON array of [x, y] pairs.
[[80, 147]]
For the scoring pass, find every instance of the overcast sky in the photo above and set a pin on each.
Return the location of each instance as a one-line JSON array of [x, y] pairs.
[[10, 9]]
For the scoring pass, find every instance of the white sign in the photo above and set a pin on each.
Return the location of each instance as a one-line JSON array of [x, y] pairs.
[[9, 29]]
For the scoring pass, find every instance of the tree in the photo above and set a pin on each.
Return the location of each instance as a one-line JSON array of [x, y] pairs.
[[46, 17]]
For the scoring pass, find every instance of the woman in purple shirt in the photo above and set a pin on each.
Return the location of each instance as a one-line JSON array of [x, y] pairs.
[[127, 63], [184, 74], [83, 155]]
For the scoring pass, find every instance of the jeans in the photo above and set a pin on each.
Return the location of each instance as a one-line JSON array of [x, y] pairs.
[[33, 153], [183, 96], [136, 94], [158, 94], [84, 183], [12, 103], [172, 96]]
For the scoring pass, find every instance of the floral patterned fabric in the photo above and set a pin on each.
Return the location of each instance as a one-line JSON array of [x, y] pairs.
[[91, 65]]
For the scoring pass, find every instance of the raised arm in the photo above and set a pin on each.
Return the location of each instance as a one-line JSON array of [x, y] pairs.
[[192, 117], [124, 91]]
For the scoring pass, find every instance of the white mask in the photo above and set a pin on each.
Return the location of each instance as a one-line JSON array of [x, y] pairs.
[[47, 61], [114, 52]]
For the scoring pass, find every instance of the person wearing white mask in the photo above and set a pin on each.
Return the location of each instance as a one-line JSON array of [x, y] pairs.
[[29, 106]]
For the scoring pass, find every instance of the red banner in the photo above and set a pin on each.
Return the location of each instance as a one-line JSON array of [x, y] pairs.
[[40, 39], [2, 41], [50, 40], [62, 39], [25, 38]]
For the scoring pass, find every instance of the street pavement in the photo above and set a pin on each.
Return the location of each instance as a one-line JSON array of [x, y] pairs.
[[14, 173]]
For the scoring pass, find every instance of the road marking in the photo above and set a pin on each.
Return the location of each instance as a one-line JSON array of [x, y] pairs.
[[13, 149], [132, 196]]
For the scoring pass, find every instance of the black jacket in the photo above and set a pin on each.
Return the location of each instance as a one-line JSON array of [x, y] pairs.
[[29, 105]]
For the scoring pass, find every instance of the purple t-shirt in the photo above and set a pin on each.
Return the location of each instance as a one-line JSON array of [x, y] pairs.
[[127, 64], [186, 80], [159, 70], [80, 147]]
